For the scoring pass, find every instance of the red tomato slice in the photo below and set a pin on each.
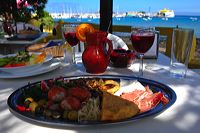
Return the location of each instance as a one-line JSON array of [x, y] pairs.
[[8, 65], [18, 64], [14, 65]]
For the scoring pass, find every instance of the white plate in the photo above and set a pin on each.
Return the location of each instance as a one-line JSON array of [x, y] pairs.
[[23, 69], [117, 42], [28, 36], [44, 68]]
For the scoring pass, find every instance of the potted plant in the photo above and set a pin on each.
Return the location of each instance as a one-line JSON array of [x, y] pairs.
[[13, 11]]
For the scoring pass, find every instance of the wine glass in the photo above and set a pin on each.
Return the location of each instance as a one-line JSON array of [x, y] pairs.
[[142, 40], [69, 35]]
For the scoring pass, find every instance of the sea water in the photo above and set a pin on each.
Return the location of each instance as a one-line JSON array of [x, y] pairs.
[[180, 21]]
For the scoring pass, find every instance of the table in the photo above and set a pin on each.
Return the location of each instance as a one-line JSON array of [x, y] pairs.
[[182, 117], [11, 46]]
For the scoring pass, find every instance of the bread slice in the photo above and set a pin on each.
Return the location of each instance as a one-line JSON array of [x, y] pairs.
[[114, 108]]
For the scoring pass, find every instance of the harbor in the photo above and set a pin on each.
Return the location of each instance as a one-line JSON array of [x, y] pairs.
[[164, 13], [136, 21]]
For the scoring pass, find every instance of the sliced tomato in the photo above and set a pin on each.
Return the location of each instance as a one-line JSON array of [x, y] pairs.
[[18, 64], [8, 65], [15, 65], [56, 94], [80, 93], [71, 103]]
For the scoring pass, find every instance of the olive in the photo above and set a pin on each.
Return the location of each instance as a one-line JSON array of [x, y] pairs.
[[32, 106], [45, 106], [65, 114], [42, 102], [39, 110], [56, 115], [94, 93], [47, 113], [73, 115], [27, 103]]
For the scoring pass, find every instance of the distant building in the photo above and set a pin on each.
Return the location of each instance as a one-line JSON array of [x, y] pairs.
[[166, 13]]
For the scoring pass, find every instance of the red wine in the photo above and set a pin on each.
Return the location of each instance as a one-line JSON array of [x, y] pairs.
[[142, 42], [71, 38]]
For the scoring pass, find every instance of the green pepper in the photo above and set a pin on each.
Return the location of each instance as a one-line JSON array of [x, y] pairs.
[[4, 61]]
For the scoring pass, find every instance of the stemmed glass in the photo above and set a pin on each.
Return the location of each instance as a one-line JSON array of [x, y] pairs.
[[142, 40], [69, 34]]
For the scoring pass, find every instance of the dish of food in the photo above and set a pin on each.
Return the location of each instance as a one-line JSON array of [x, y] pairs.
[[23, 62], [28, 34], [44, 68], [90, 100]]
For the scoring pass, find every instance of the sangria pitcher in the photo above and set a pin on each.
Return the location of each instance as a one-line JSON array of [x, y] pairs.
[[96, 57]]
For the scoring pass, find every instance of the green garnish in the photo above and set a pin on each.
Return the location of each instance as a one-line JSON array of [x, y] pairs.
[[19, 58]]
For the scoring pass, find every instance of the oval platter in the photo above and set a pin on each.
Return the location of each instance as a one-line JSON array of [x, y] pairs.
[[155, 86]]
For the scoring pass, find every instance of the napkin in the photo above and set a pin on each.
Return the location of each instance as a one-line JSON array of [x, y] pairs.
[[117, 42], [152, 52], [127, 86]]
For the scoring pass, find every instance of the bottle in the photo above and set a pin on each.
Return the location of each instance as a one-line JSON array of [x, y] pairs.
[[54, 32], [41, 27]]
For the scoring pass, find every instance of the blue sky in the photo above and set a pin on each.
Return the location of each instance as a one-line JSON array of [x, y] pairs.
[[179, 6]]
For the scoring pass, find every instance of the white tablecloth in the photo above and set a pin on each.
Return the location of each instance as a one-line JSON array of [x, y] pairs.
[[183, 116]]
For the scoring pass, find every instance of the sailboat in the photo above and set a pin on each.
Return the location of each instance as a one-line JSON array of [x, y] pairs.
[[118, 15], [147, 16]]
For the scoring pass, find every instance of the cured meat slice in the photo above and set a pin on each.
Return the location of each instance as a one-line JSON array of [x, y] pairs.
[[150, 102], [145, 99]]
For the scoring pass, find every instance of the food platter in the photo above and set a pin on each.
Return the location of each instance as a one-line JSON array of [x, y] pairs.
[[155, 86], [27, 68]]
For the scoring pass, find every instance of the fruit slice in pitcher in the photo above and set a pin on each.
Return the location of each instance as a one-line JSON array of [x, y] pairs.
[[81, 31]]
